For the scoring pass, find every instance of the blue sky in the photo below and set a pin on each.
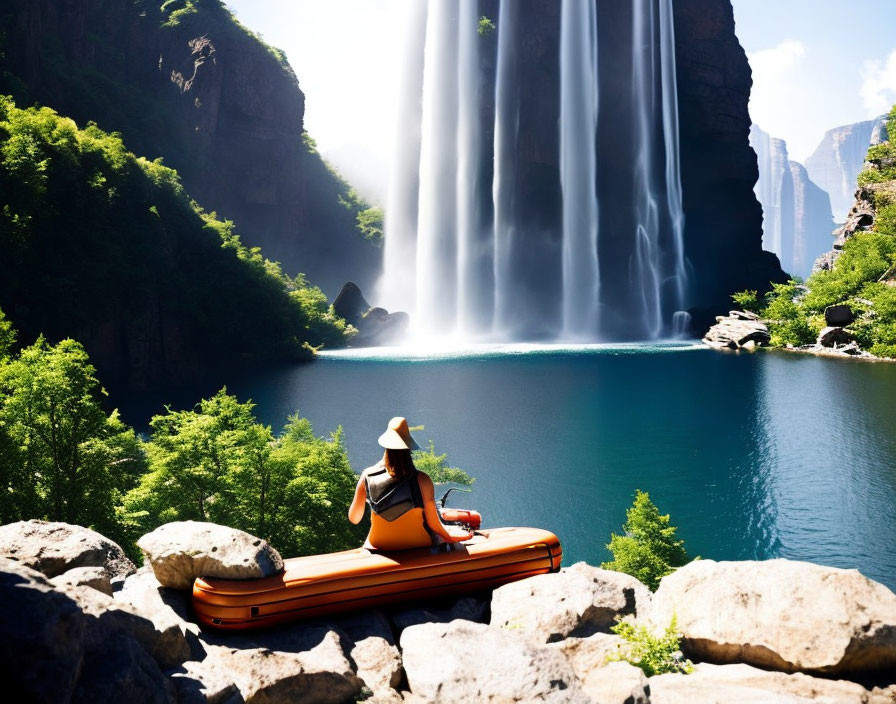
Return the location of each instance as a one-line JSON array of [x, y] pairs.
[[817, 64]]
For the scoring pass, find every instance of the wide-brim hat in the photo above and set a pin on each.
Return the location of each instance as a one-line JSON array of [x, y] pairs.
[[398, 436]]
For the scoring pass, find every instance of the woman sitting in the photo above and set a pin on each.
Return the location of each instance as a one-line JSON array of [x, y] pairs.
[[403, 512]]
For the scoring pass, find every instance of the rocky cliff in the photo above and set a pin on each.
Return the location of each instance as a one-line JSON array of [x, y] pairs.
[[838, 159], [182, 80], [723, 219], [797, 220], [778, 630]]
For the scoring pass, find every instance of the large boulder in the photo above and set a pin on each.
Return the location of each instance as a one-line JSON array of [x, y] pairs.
[[724, 684], [833, 336], [602, 676], [55, 548], [780, 614], [577, 601], [736, 331], [467, 608], [93, 577], [320, 674], [374, 651], [41, 636], [181, 551], [73, 644], [463, 661], [839, 315], [168, 611]]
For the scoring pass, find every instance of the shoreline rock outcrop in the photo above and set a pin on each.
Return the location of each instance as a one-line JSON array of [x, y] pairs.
[[738, 330], [543, 639], [376, 326]]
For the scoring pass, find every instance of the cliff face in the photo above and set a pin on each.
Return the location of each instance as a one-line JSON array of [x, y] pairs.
[[837, 160], [723, 219], [192, 86], [797, 220]]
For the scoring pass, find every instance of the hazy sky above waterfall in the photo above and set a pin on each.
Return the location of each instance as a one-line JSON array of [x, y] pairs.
[[817, 64]]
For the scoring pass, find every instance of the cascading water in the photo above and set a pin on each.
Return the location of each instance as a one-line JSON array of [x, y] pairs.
[[396, 289], [470, 286], [506, 138], [437, 218], [578, 169], [530, 257]]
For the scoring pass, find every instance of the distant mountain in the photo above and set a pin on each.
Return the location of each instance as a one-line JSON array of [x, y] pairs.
[[837, 160], [797, 219]]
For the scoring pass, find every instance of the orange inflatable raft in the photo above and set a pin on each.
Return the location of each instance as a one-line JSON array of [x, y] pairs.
[[319, 585]]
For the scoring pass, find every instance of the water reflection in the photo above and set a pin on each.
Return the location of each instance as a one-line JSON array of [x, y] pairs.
[[754, 456]]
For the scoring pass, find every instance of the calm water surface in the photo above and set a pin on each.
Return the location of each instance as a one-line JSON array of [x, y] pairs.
[[754, 456]]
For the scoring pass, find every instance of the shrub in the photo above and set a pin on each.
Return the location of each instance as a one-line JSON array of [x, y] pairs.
[[436, 466], [787, 322], [655, 655], [649, 549], [747, 300], [486, 26]]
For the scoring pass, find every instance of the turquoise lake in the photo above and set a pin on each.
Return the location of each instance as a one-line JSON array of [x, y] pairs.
[[753, 455]]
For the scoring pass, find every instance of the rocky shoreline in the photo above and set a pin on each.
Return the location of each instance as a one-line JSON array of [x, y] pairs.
[[79, 622], [743, 330]]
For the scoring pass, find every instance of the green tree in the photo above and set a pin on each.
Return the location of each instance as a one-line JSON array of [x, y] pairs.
[[747, 300], [436, 466], [370, 222], [648, 550], [64, 458], [7, 337], [216, 463]]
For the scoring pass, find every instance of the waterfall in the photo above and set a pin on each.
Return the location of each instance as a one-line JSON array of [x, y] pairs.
[[578, 168], [645, 265], [396, 289], [503, 185], [470, 287], [436, 235], [672, 145], [511, 264]]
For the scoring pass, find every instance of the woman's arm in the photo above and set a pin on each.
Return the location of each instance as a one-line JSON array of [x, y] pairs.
[[356, 510], [431, 512]]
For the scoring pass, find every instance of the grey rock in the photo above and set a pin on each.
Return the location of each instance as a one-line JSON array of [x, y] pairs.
[[601, 675], [374, 652], [470, 608], [736, 332], [55, 548], [321, 675], [117, 669], [168, 610], [181, 551], [94, 577], [578, 601], [723, 684], [839, 315], [470, 662], [41, 636], [833, 336], [780, 614]]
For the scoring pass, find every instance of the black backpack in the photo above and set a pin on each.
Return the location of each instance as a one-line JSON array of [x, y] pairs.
[[391, 498]]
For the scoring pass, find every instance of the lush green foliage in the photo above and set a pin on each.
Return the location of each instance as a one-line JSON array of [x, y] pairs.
[[91, 234], [7, 337], [61, 456], [486, 26], [436, 466], [882, 157], [747, 300], [654, 654], [648, 550], [216, 463], [370, 222], [863, 276]]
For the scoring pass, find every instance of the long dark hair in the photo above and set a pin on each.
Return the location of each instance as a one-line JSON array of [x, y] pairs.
[[399, 463]]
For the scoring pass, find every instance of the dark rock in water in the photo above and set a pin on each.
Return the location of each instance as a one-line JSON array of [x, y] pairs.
[[838, 316], [831, 336], [376, 326], [350, 303]]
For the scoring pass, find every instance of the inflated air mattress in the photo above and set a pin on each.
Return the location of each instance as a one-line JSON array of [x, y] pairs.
[[319, 585]]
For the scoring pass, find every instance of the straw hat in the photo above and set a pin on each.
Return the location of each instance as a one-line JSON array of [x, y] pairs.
[[398, 436]]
